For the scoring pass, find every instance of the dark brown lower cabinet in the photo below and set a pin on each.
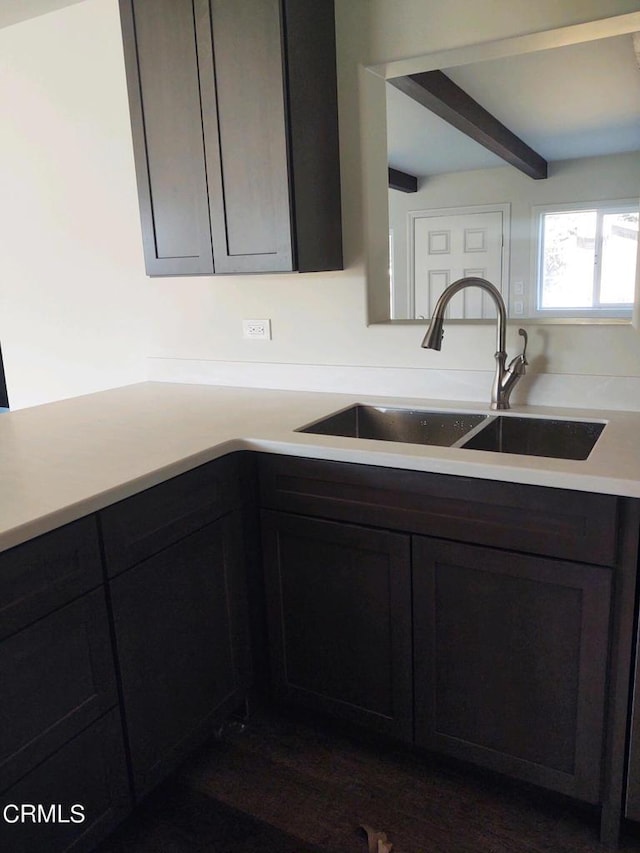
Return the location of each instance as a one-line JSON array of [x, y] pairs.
[[510, 651], [510, 662], [61, 743], [632, 801], [57, 677], [181, 636], [81, 791], [339, 616], [524, 617]]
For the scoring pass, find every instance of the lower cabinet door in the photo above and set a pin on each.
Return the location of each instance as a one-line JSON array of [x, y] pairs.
[[339, 615], [182, 640], [632, 798], [73, 799], [510, 662]]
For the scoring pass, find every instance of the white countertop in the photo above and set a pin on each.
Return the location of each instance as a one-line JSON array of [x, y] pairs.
[[63, 460]]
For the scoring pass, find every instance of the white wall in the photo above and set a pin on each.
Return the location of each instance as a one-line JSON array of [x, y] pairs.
[[322, 319], [14, 11], [589, 179], [74, 296]]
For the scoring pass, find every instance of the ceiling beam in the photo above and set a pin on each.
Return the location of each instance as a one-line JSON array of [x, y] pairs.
[[435, 91], [402, 181]]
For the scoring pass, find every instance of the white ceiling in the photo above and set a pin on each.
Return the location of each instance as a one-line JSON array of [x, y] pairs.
[[576, 101], [15, 11]]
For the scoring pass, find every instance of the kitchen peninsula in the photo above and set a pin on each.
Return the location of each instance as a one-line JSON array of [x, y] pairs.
[[129, 531]]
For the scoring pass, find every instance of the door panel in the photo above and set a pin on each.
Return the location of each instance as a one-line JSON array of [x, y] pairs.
[[181, 636], [339, 601], [57, 676], [164, 100], [88, 772], [452, 246], [511, 659], [246, 135]]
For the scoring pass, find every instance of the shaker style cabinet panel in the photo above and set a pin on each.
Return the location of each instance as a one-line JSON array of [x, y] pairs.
[[235, 134], [632, 800], [511, 662], [44, 573], [339, 611], [247, 169], [144, 524], [57, 676], [534, 519], [61, 740], [181, 639], [164, 99], [88, 772]]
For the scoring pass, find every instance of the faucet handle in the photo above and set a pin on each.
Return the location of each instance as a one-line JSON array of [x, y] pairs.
[[518, 365], [523, 333]]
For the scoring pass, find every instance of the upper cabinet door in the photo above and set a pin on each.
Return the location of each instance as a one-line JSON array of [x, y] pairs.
[[241, 80], [234, 115], [164, 101]]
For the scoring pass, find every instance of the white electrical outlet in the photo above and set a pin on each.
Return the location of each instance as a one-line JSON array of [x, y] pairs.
[[258, 330]]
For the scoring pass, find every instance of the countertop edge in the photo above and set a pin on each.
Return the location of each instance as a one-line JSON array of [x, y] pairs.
[[62, 461]]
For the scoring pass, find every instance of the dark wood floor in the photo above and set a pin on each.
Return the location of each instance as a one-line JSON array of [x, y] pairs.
[[292, 785]]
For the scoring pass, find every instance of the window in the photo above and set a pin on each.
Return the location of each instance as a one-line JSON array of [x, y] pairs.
[[586, 259]]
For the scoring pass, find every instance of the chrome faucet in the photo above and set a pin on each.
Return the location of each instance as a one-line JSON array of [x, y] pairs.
[[506, 377]]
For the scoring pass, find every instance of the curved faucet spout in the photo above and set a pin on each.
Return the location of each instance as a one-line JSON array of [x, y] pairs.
[[505, 377], [437, 318]]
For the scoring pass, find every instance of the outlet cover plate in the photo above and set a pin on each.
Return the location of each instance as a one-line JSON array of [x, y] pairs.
[[259, 330]]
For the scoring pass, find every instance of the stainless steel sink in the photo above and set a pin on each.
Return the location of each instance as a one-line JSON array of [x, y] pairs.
[[557, 439], [415, 426], [551, 438]]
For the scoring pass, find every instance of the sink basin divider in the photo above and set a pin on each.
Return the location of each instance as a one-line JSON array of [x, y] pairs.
[[474, 431]]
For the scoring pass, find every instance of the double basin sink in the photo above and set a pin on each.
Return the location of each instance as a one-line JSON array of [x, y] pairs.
[[530, 436]]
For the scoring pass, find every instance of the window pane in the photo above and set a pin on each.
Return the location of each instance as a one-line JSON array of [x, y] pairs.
[[619, 254], [568, 259]]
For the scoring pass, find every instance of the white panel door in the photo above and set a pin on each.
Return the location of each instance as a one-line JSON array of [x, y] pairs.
[[450, 246]]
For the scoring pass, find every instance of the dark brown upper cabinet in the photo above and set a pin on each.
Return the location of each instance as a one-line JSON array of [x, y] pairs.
[[235, 133]]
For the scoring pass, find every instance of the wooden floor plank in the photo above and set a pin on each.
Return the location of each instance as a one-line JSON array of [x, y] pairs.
[[294, 785]]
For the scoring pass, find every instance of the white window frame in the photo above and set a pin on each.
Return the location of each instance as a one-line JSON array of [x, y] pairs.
[[620, 311]]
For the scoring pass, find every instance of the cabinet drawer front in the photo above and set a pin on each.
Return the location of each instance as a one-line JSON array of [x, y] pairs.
[[47, 572], [534, 519], [90, 772], [145, 524], [57, 676], [511, 659]]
